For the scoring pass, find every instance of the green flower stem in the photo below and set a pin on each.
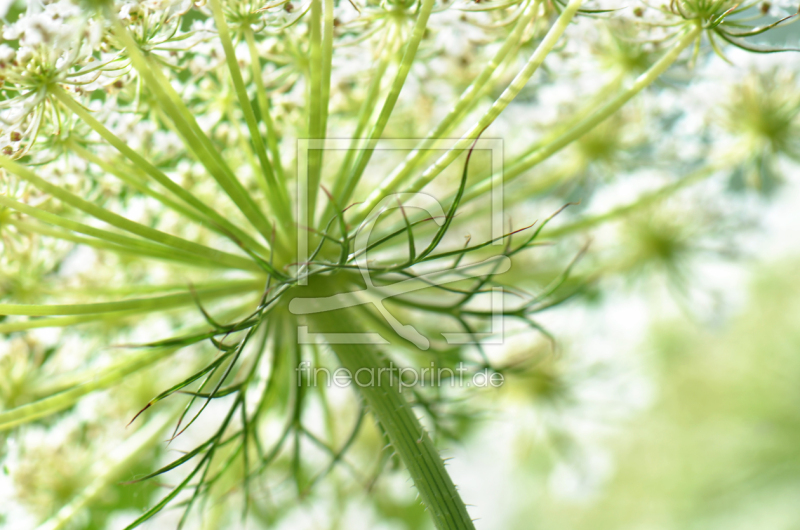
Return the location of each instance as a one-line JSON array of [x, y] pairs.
[[643, 202], [517, 84], [124, 174], [385, 399], [64, 390], [595, 118], [67, 321], [50, 384], [315, 105], [545, 182], [278, 199], [118, 221], [247, 149], [417, 34], [63, 322], [467, 100], [263, 104], [536, 186], [133, 244], [63, 400], [150, 304], [113, 467], [321, 59], [409, 439], [218, 221], [367, 108], [145, 289], [646, 200], [586, 108], [167, 254], [327, 60], [194, 138]]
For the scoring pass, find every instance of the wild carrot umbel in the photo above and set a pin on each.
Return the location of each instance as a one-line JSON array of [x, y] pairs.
[[198, 198]]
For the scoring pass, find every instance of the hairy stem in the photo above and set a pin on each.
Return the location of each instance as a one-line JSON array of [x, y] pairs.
[[384, 397]]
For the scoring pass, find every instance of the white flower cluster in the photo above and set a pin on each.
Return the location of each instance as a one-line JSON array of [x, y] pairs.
[[50, 43]]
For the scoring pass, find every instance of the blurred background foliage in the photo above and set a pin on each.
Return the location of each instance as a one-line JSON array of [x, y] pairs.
[[719, 447]]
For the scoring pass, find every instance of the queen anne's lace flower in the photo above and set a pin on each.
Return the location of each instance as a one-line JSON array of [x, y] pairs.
[[152, 175], [53, 44]]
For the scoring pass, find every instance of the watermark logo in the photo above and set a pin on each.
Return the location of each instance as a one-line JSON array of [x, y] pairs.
[[376, 294], [406, 377]]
